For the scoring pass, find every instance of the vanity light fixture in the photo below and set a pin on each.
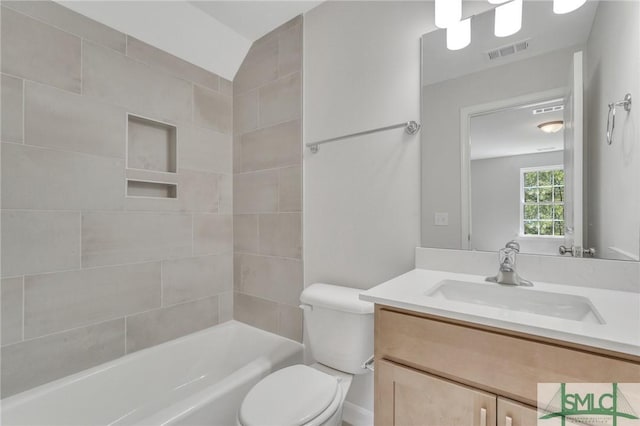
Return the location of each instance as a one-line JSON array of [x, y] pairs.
[[565, 6], [448, 12], [508, 18], [551, 126], [459, 35]]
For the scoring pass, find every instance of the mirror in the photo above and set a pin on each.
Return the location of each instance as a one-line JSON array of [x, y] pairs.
[[515, 140]]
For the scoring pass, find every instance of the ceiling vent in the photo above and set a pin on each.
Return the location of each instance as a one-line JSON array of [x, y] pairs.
[[507, 50], [548, 109]]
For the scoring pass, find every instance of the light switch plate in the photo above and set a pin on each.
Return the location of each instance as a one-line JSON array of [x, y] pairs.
[[441, 219]]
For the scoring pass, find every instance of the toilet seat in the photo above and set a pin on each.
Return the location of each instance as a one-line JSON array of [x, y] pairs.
[[293, 396]]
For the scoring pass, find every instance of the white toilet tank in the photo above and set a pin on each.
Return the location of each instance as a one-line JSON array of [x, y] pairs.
[[339, 326]]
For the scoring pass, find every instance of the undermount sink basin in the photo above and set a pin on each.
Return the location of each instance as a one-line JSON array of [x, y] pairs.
[[565, 306]]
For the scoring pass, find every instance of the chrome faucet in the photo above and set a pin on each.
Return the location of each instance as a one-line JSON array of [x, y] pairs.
[[507, 273]]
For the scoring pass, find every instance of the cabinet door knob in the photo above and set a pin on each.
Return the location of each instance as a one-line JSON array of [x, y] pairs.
[[508, 421], [483, 417]]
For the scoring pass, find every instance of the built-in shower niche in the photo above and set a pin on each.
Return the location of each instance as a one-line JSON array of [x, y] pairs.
[[151, 145], [137, 188], [151, 158]]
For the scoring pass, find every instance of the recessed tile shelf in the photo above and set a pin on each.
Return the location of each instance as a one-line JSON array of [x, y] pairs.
[[137, 188], [151, 145]]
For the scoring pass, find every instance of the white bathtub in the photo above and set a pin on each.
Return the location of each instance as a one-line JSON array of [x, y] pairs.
[[199, 379]]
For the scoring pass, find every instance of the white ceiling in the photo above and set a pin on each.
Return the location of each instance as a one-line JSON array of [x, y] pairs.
[[253, 19], [514, 131], [214, 35], [545, 30]]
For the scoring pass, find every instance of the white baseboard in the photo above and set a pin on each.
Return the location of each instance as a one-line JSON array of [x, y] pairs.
[[356, 415]]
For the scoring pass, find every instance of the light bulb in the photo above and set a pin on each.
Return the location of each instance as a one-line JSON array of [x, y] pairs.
[[459, 35], [448, 12], [566, 6], [508, 18]]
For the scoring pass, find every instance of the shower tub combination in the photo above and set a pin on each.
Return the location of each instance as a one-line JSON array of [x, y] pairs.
[[199, 379]]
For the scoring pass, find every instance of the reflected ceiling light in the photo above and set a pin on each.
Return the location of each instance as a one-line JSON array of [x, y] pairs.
[[459, 35], [551, 126], [448, 12], [508, 18], [566, 6]]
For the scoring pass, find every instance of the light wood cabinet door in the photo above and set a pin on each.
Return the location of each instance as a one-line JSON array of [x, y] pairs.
[[408, 397], [511, 413]]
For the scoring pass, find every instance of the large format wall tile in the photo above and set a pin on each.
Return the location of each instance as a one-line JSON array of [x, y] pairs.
[[157, 326], [60, 17], [290, 322], [256, 312], [280, 234], [38, 178], [281, 101], [271, 278], [37, 361], [171, 64], [290, 189], [212, 109], [117, 238], [259, 67], [123, 81], [99, 294], [11, 309], [255, 192], [12, 109], [225, 194], [275, 146], [198, 191], [290, 49], [225, 306], [212, 234], [267, 162], [205, 150], [34, 242], [62, 120], [195, 278], [245, 233], [80, 257], [245, 112], [36, 51]]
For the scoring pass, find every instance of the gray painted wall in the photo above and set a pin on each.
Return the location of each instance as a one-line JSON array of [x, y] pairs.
[[441, 144], [495, 202], [613, 172]]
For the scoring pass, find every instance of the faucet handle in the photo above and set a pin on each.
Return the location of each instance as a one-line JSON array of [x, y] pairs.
[[507, 258], [513, 245]]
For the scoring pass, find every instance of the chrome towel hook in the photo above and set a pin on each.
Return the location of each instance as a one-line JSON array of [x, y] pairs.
[[611, 116]]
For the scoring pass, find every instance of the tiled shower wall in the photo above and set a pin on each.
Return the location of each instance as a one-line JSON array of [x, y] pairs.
[[267, 183], [89, 274]]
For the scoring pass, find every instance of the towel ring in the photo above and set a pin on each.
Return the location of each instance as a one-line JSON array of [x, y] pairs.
[[611, 116]]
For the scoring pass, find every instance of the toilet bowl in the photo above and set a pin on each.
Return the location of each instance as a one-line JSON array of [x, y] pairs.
[[340, 337]]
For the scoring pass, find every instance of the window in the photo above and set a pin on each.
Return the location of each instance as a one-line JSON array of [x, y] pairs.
[[542, 201]]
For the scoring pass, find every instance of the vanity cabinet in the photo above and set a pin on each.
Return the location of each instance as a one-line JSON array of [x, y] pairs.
[[434, 371], [511, 413], [411, 397]]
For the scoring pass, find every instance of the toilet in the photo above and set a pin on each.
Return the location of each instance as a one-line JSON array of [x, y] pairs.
[[340, 336]]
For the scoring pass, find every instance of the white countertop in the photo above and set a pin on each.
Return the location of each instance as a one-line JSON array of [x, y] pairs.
[[620, 310]]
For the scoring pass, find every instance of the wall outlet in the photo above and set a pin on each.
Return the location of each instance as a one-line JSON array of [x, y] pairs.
[[441, 219]]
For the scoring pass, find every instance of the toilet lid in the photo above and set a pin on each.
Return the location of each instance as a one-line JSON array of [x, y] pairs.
[[292, 396]]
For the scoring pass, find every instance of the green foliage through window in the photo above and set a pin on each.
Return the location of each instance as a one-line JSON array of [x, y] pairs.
[[543, 202]]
